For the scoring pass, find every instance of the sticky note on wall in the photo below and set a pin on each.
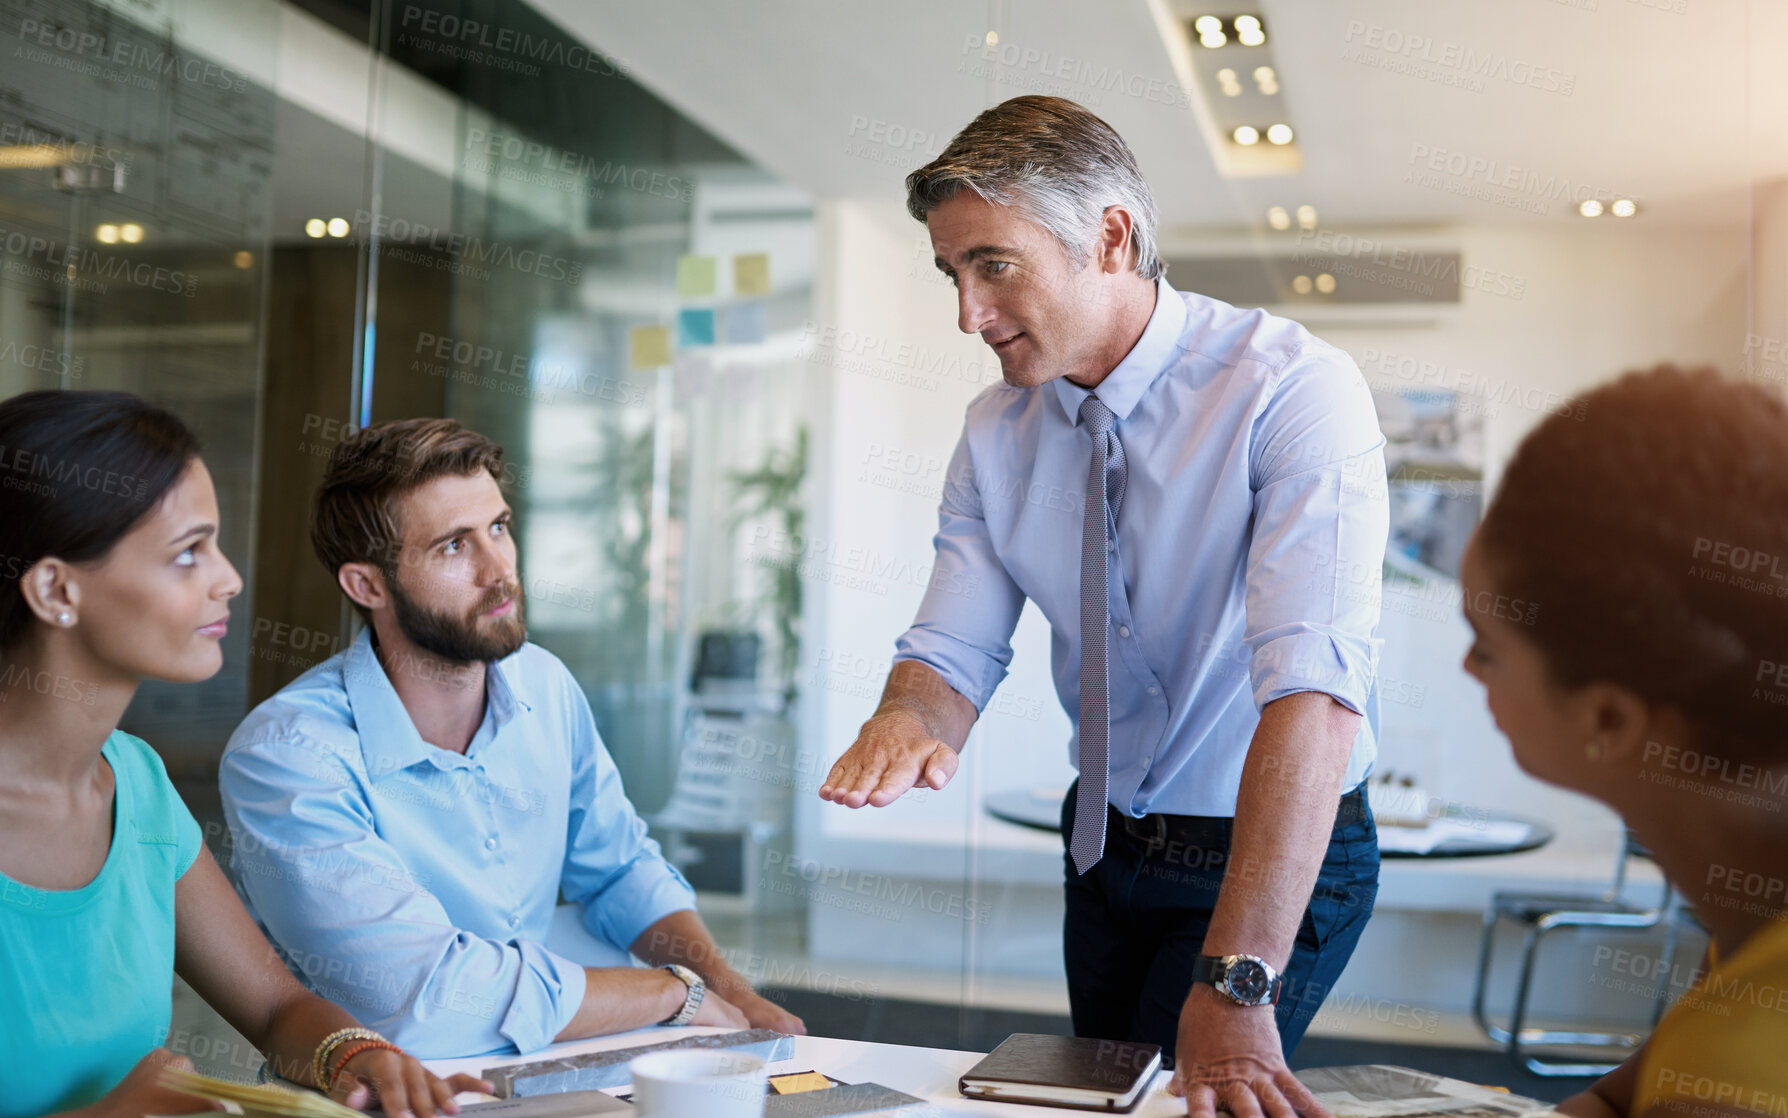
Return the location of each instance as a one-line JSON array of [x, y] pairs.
[[695, 276], [751, 273], [695, 326], [745, 323], [650, 346]]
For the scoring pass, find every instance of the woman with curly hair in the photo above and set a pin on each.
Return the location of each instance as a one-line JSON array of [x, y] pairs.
[[1628, 589]]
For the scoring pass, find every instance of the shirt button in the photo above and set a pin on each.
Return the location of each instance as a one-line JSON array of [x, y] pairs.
[[1124, 631], [1154, 690], [1110, 545], [515, 921], [490, 843]]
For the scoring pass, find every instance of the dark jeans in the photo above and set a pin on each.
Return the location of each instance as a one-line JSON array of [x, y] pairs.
[[1137, 920]]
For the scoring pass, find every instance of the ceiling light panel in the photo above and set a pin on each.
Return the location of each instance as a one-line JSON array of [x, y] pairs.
[[1231, 55]]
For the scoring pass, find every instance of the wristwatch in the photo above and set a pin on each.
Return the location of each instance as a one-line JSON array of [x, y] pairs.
[[692, 1001], [1243, 979]]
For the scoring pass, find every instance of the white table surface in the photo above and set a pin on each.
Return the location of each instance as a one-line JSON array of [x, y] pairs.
[[928, 1073]]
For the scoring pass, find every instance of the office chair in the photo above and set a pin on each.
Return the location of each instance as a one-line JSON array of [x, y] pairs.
[[1543, 914]]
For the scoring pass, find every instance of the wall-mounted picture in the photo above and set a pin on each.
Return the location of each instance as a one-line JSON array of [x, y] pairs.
[[1434, 461]]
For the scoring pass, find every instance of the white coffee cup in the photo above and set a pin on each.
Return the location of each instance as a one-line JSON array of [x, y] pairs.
[[698, 1083]]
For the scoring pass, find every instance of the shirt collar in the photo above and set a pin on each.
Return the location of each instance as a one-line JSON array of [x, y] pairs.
[[388, 737], [1147, 359]]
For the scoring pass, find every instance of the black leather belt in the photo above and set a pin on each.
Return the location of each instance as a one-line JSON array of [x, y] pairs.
[[1209, 832]]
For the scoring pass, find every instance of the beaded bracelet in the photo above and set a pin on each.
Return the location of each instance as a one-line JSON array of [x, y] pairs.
[[319, 1062], [341, 1064]]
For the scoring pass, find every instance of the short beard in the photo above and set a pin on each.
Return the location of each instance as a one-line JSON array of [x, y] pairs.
[[460, 640]]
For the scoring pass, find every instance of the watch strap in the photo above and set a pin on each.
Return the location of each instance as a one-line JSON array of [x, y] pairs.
[[1208, 969], [695, 990]]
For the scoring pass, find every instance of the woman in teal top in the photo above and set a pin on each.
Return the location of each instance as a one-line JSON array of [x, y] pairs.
[[110, 573]]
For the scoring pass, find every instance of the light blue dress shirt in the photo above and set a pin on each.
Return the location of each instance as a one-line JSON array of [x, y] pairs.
[[414, 886], [1250, 544]]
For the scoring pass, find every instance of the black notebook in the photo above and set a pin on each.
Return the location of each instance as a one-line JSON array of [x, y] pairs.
[[1071, 1071]]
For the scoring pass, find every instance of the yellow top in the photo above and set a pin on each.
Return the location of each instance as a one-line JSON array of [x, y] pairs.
[[1725, 1041]]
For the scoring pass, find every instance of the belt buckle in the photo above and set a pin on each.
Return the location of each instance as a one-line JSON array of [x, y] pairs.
[[1156, 823]]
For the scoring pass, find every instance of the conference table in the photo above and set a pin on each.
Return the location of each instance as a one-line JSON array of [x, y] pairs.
[[926, 1073]]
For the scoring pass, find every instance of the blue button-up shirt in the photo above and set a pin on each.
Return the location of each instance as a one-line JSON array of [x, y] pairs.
[[414, 886], [1247, 556]]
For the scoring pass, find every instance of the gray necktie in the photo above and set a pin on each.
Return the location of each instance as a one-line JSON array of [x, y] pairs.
[[1106, 468]]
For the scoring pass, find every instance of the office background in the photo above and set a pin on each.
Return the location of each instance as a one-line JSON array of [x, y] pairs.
[[659, 251]]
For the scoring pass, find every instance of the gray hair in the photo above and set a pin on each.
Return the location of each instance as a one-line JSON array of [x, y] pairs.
[[1058, 164]]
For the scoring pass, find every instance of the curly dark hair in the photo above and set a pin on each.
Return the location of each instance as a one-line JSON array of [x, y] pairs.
[[1649, 522]]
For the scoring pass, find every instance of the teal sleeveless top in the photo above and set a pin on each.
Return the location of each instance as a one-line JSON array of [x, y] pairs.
[[87, 975]]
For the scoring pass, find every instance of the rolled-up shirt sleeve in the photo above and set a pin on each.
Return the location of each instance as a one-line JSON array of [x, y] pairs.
[[1321, 519], [352, 919], [612, 868], [964, 627]]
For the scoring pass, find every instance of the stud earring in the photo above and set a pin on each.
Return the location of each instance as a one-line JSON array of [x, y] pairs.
[[64, 618]]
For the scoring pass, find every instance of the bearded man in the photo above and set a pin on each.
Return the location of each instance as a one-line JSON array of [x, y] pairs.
[[406, 814]]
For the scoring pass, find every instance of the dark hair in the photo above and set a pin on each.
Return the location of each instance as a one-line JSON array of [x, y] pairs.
[[1648, 525], [1054, 161], [354, 518], [78, 470]]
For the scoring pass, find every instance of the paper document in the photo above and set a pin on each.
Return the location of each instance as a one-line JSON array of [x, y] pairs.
[[255, 1098], [1423, 840], [1386, 1091]]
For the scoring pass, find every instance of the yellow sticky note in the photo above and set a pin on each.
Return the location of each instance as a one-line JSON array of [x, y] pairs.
[[651, 346], [799, 1083], [751, 273], [695, 275]]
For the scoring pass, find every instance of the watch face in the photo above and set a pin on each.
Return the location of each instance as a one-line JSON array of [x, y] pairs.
[[1248, 980]]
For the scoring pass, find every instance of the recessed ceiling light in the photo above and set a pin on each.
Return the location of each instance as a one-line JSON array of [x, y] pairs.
[[1279, 134], [107, 234], [1590, 208], [1247, 135], [245, 259], [338, 227], [131, 233], [1624, 207], [1307, 217], [1207, 25], [993, 38], [1229, 83], [1248, 31], [315, 227], [1325, 284], [1266, 79], [1278, 218], [1213, 39], [1301, 284]]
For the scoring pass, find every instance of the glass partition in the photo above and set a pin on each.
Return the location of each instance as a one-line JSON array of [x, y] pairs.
[[136, 180]]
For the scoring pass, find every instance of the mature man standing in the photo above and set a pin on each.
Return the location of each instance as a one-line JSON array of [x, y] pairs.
[[1214, 603]]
